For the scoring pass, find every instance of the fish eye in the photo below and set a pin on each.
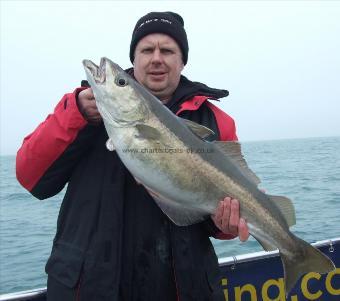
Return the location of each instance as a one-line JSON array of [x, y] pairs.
[[121, 82]]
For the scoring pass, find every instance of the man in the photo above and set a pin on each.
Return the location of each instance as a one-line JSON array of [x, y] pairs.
[[112, 240]]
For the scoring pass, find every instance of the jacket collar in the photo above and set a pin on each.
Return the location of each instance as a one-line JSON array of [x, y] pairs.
[[187, 89]]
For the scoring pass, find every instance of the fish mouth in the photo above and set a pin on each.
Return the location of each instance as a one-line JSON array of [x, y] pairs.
[[98, 73]]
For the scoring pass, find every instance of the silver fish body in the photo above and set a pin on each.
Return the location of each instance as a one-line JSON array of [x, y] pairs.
[[186, 175]]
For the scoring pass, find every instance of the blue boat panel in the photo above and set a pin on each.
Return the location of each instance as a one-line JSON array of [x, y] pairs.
[[262, 279]]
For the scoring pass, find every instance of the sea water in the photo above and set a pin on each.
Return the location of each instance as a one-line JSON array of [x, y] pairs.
[[305, 170]]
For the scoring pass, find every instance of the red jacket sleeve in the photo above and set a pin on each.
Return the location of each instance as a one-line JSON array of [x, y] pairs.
[[49, 141]]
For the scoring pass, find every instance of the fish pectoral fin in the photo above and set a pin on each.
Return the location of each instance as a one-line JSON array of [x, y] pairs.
[[180, 215], [233, 151], [286, 207], [199, 130], [148, 132], [109, 145]]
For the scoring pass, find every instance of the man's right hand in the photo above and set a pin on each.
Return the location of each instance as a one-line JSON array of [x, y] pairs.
[[88, 108]]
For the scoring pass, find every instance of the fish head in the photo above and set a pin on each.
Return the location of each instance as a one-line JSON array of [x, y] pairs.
[[117, 99]]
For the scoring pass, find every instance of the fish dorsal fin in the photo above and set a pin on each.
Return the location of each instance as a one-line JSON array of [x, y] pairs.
[[199, 130], [286, 207], [233, 151]]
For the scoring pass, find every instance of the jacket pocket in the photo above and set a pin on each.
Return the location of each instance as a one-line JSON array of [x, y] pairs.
[[65, 263]]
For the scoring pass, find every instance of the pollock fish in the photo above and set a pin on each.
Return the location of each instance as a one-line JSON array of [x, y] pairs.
[[187, 175]]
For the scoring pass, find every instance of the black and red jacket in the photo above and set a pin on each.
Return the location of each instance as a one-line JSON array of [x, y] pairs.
[[112, 241]]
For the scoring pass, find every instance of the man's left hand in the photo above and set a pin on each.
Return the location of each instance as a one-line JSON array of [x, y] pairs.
[[227, 219]]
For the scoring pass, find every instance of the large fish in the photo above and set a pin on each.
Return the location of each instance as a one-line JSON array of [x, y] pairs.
[[186, 175]]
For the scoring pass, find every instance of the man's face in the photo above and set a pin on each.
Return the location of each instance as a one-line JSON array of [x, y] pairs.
[[158, 65]]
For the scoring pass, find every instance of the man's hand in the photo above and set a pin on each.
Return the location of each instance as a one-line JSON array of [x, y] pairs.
[[88, 108], [227, 219]]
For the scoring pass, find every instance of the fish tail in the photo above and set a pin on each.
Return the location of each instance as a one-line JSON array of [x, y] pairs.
[[309, 259]]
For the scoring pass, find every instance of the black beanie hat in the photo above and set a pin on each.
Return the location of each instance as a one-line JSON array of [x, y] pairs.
[[168, 23]]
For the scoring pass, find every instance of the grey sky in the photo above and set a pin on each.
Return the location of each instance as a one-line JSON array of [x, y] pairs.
[[280, 60]]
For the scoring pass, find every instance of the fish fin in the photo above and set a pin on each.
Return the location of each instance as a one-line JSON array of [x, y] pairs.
[[267, 246], [199, 130], [310, 259], [286, 207], [233, 150], [178, 214], [148, 132], [109, 145], [181, 215]]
